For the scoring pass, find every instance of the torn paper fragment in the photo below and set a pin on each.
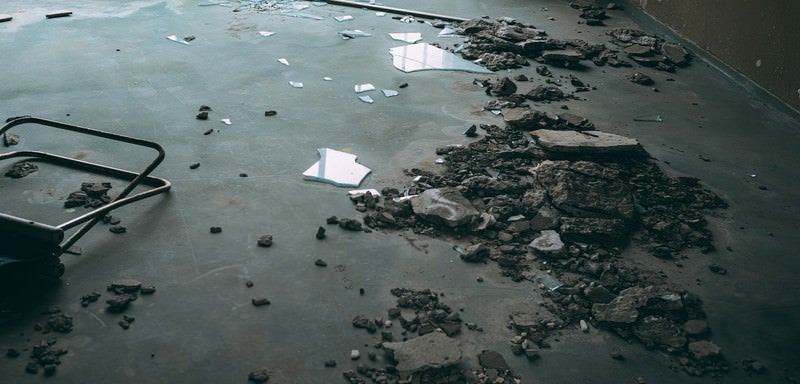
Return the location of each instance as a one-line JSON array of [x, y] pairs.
[[366, 99], [343, 18], [407, 37], [363, 87], [177, 40], [389, 92], [296, 84], [336, 167], [266, 33], [283, 61], [423, 56], [353, 33], [226, 121]]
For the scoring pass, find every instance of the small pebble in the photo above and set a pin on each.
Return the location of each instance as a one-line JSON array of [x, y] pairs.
[[270, 113], [264, 241], [215, 229], [194, 166], [260, 301], [320, 263]]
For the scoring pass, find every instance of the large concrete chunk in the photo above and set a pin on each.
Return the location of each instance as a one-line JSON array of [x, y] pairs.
[[586, 189], [548, 244], [445, 206], [432, 350], [584, 141]]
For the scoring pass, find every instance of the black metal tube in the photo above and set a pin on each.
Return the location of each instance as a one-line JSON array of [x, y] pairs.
[[399, 11]]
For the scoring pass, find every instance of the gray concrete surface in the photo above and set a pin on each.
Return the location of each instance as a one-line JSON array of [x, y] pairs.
[[110, 67]]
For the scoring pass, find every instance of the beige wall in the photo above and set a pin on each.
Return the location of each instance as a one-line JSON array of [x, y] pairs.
[[760, 38]]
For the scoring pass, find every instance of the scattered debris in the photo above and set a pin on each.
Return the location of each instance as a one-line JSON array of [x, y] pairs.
[[10, 139], [91, 195], [260, 301], [640, 78], [22, 169], [264, 240], [258, 376]]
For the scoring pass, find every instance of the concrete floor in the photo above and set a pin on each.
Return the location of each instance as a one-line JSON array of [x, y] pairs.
[[110, 67]]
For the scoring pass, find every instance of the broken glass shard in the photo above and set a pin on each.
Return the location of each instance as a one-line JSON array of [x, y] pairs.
[[448, 32], [226, 121], [407, 37], [177, 40], [353, 33], [363, 87], [423, 56], [407, 19], [319, 3], [301, 15], [496, 112], [336, 167], [327, 78], [439, 161], [389, 92], [296, 84], [266, 33], [655, 119], [366, 99], [283, 61], [548, 282], [343, 18], [356, 193], [380, 14]]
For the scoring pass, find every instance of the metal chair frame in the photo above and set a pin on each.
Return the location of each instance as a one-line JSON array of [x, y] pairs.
[[32, 241]]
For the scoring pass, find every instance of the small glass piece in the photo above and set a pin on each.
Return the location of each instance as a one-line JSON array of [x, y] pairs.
[[389, 92], [655, 119], [283, 61], [343, 18], [327, 78], [177, 40], [296, 84], [353, 33], [363, 87], [366, 99], [412, 37], [226, 121], [266, 33]]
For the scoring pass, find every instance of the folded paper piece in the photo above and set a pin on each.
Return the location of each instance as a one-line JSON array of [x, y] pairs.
[[338, 168], [423, 56]]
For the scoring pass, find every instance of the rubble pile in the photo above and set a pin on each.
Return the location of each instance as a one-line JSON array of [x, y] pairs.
[[91, 195], [506, 43], [565, 200]]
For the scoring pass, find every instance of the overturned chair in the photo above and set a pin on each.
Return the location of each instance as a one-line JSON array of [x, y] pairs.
[[30, 251]]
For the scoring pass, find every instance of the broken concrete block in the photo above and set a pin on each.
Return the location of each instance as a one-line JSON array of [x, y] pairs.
[[676, 53], [433, 350], [703, 349], [562, 56], [548, 244], [446, 206], [492, 360], [584, 141], [695, 328], [475, 253], [124, 286], [640, 78]]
